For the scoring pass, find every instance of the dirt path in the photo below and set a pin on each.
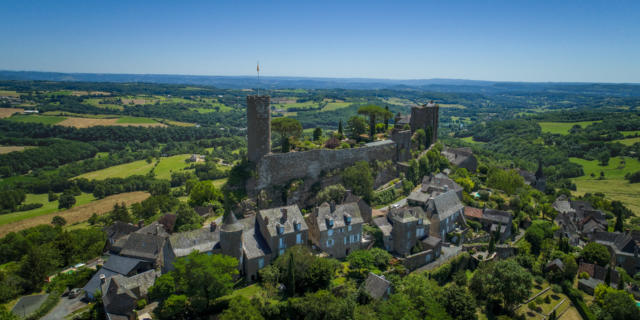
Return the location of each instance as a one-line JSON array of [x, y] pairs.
[[77, 214]]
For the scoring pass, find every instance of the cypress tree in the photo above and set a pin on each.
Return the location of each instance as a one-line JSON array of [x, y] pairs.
[[292, 277], [340, 128], [607, 278], [619, 223]]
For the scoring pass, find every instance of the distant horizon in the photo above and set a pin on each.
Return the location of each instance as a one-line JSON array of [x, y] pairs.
[[315, 77], [591, 41]]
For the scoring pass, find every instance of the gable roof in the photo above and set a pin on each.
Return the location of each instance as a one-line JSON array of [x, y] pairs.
[[472, 212], [446, 204], [408, 214], [383, 224], [271, 218], [94, 283], [339, 215], [497, 216], [203, 240], [144, 246], [121, 265], [253, 244], [155, 228], [376, 286], [119, 229]]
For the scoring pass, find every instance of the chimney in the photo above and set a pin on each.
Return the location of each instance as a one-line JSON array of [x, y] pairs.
[[212, 226], [332, 205], [103, 279], [284, 214], [140, 223]]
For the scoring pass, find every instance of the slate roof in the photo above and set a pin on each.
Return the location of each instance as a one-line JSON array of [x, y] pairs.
[[446, 204], [203, 240], [119, 229], [439, 183], [155, 228], [274, 216], [144, 246], [376, 286], [555, 263], [339, 215], [94, 283], [562, 204], [230, 223], [122, 265], [408, 214], [419, 196], [431, 242], [120, 292], [383, 224], [253, 244], [497, 216]]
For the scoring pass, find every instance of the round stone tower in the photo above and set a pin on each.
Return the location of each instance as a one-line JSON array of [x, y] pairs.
[[231, 237], [258, 127]]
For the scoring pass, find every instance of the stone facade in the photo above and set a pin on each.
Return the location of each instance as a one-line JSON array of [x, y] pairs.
[[258, 127], [426, 117], [336, 229]]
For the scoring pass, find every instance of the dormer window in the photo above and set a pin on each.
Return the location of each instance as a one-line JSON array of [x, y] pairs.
[[347, 219], [330, 222], [420, 221], [296, 225], [280, 229]]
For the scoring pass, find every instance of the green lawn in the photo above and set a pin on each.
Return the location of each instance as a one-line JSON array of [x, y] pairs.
[[628, 141], [36, 119], [614, 186], [48, 207], [140, 167], [562, 127], [171, 164], [135, 120], [470, 140]]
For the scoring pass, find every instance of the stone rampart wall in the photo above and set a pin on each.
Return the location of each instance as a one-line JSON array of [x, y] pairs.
[[280, 168]]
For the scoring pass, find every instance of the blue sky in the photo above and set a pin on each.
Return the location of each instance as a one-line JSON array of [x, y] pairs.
[[590, 41]]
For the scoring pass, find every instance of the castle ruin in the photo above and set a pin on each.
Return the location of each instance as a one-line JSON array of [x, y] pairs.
[[276, 169]]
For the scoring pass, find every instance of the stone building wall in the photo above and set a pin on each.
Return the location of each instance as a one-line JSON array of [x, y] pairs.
[[259, 127], [423, 117], [280, 168]]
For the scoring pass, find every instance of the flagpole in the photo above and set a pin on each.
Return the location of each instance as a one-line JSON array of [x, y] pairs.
[[258, 70]]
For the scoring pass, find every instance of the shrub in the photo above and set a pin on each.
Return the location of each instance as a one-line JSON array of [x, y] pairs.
[[538, 279], [532, 305], [583, 275], [556, 288]]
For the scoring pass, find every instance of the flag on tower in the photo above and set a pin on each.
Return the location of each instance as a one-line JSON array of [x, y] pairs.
[[258, 67]]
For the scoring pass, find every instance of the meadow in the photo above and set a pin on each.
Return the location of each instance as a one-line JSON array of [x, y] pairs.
[[82, 211], [7, 149], [140, 167], [135, 120], [168, 165], [614, 186], [629, 141], [36, 119], [48, 207], [562, 127]]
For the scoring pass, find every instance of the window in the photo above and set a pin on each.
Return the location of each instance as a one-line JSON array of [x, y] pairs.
[[330, 243], [281, 252], [281, 243], [408, 235], [428, 258], [260, 263], [420, 221], [299, 238], [349, 228], [345, 240], [341, 230], [419, 232], [330, 232]]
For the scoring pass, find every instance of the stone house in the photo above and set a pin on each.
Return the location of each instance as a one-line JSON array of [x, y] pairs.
[[336, 229], [115, 265], [578, 219], [462, 158], [205, 240], [377, 287], [432, 186], [120, 294], [445, 212], [623, 247], [491, 220]]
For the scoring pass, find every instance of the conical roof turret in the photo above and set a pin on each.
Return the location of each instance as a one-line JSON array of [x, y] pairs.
[[230, 223]]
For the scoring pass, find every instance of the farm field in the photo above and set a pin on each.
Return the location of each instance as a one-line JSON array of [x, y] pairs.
[[140, 167], [7, 149], [563, 127], [136, 120], [629, 141], [171, 164], [8, 93], [48, 207], [37, 119], [614, 185], [78, 213], [8, 112]]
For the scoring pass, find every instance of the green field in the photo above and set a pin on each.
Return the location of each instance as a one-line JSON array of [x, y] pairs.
[[7, 93], [630, 133], [336, 105], [96, 103], [48, 207], [140, 167], [628, 141], [135, 120], [562, 127], [36, 119], [171, 164], [470, 140], [614, 185]]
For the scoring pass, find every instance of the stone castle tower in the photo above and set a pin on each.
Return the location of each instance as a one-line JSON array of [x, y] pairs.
[[426, 117], [231, 237], [258, 127]]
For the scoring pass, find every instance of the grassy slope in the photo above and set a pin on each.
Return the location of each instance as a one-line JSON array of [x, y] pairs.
[[629, 141], [120, 171], [614, 185], [562, 127], [36, 119], [48, 207], [171, 164], [135, 120]]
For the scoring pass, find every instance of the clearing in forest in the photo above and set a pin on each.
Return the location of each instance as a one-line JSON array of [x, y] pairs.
[[563, 127], [32, 118], [78, 213], [8, 112], [7, 149]]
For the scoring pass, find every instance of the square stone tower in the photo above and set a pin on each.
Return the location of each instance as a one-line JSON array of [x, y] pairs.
[[258, 127], [426, 117]]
